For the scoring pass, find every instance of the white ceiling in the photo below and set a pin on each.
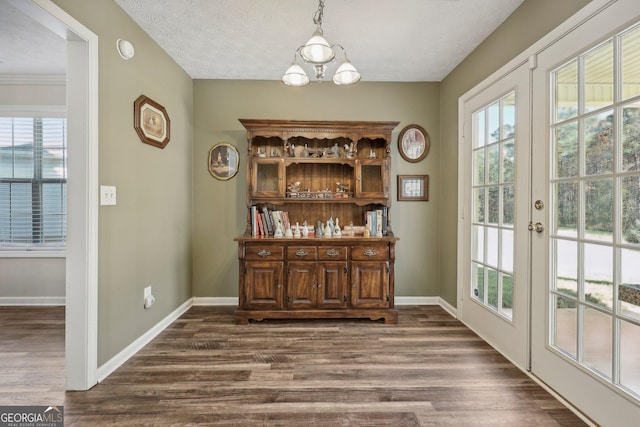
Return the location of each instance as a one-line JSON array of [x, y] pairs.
[[400, 40], [28, 48]]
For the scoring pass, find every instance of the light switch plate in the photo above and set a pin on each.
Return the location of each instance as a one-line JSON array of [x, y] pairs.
[[107, 195]]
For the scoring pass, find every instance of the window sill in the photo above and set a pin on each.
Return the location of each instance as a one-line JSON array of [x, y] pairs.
[[33, 253]]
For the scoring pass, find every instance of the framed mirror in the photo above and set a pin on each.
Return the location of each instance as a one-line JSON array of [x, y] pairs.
[[413, 143]]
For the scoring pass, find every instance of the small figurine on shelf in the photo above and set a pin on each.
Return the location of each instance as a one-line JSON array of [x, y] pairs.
[[296, 232], [278, 232], [305, 152], [261, 152], [330, 225], [372, 154], [293, 189], [336, 229], [367, 233], [288, 232], [305, 230], [327, 230], [319, 229], [335, 150], [351, 232]]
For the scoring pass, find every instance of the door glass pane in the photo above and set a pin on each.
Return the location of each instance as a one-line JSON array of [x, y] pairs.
[[508, 204], [493, 113], [598, 215], [509, 116], [493, 205], [599, 144], [598, 64], [479, 129], [492, 246], [598, 341], [507, 250], [595, 182], [630, 59], [507, 295], [478, 204], [565, 334], [598, 275], [566, 255], [566, 91], [267, 177], [477, 278], [492, 288], [493, 200], [630, 356], [508, 161], [631, 137], [371, 181], [629, 290], [477, 251], [493, 158], [566, 150], [566, 204], [478, 167], [631, 209]]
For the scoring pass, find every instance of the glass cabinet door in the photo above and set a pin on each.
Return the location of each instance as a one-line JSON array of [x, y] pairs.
[[371, 178], [267, 178]]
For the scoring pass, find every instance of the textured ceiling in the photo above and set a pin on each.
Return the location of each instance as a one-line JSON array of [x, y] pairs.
[[400, 40], [26, 47]]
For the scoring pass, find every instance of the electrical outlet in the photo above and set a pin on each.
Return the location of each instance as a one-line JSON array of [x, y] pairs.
[[147, 291]]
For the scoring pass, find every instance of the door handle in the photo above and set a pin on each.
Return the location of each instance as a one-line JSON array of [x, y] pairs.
[[538, 227]]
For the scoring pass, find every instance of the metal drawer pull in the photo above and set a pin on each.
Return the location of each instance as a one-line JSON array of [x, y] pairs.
[[264, 253], [302, 252], [333, 252], [370, 252]]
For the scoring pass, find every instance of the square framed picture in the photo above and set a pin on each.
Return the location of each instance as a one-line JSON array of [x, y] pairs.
[[413, 187]]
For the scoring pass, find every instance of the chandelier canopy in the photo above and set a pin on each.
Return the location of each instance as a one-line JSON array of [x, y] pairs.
[[318, 52]]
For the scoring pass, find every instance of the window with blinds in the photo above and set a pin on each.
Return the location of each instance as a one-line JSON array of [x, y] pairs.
[[33, 182]]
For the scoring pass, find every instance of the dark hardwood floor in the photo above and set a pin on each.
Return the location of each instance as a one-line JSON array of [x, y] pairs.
[[427, 370]]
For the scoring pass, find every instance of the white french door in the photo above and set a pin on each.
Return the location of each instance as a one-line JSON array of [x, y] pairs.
[[585, 264], [493, 256]]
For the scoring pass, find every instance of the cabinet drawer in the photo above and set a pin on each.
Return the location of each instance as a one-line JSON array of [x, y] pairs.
[[266, 252], [370, 252], [332, 253], [302, 253]]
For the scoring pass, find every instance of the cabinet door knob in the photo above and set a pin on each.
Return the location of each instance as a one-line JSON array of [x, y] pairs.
[[333, 252], [302, 252], [264, 253]]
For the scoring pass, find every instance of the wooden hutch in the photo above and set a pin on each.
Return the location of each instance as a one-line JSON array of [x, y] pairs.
[[314, 171]]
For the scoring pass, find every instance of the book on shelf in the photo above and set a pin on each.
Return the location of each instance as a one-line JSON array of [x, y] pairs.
[[254, 224]]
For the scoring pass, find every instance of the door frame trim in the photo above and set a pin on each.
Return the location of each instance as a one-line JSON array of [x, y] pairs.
[[591, 9]]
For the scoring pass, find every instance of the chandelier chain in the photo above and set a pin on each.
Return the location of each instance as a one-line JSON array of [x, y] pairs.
[[317, 18]]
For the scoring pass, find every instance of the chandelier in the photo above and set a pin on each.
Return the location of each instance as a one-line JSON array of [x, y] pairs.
[[318, 52]]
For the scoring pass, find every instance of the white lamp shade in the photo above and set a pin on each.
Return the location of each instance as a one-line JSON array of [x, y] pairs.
[[317, 50], [295, 76], [346, 74]]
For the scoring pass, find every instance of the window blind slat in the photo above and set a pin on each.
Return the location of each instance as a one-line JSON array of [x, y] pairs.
[[33, 157]]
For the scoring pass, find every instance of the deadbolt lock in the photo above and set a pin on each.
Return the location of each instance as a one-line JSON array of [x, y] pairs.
[[538, 227], [539, 204]]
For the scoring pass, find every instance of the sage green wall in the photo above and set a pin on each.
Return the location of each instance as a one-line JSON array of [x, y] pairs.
[[530, 22], [219, 206], [145, 239]]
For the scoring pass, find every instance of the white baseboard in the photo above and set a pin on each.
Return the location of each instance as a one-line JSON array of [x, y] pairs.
[[215, 301], [416, 300], [448, 308], [49, 301], [116, 361]]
